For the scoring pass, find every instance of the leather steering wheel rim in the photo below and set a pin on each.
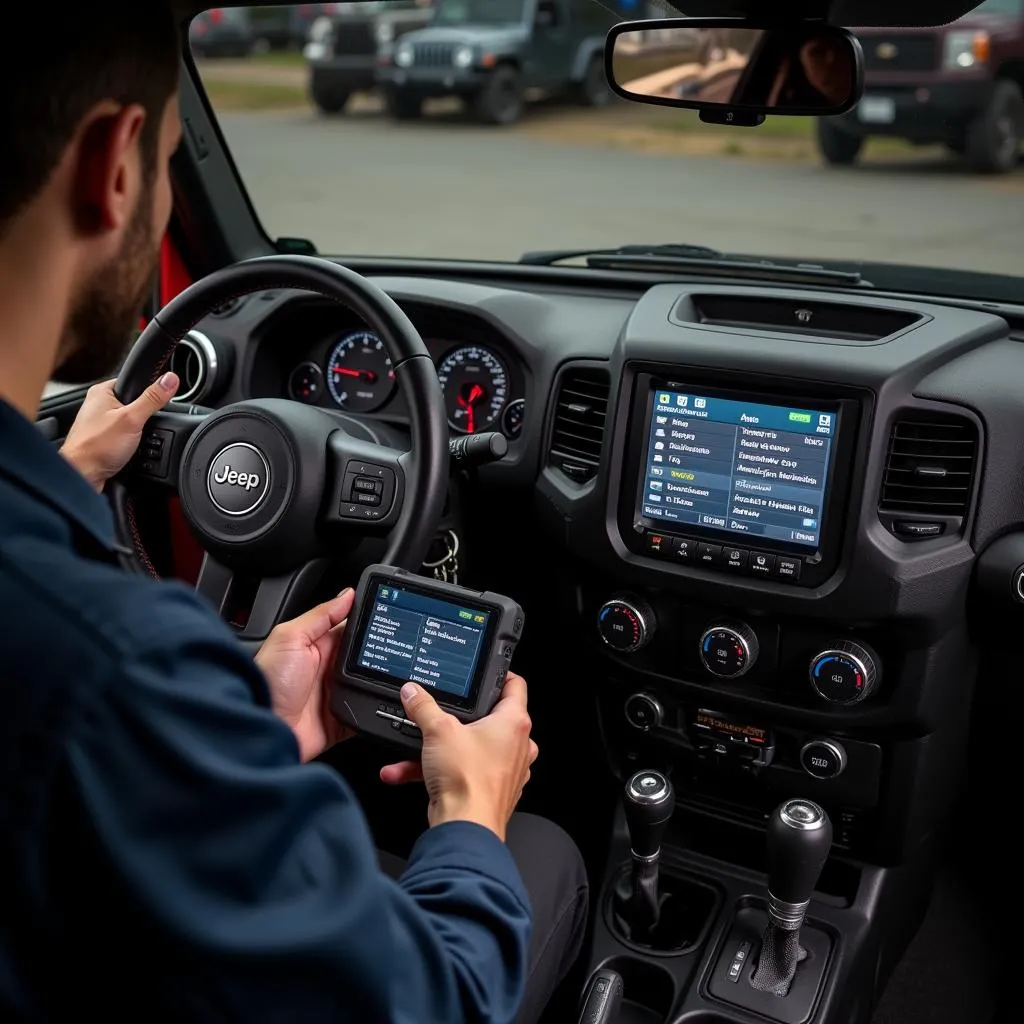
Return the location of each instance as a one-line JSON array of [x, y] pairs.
[[427, 468]]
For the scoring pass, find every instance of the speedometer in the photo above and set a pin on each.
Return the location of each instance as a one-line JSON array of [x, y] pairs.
[[360, 377], [475, 386]]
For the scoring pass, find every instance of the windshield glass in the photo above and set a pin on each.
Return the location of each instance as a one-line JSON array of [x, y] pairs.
[[403, 141], [1002, 7], [479, 12]]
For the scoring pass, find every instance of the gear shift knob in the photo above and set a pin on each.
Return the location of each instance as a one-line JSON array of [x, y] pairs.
[[799, 840], [649, 801]]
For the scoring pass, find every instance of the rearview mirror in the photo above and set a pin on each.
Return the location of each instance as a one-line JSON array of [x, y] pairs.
[[727, 67]]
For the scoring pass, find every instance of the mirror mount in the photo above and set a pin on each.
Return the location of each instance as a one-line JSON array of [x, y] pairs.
[[734, 71]]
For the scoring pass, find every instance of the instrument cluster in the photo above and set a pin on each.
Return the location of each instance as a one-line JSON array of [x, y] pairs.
[[356, 375]]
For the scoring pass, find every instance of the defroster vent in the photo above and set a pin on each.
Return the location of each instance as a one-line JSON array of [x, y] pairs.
[[581, 413], [929, 475]]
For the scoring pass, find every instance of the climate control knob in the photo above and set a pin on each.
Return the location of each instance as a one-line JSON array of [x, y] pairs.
[[729, 651], [625, 624], [847, 673]]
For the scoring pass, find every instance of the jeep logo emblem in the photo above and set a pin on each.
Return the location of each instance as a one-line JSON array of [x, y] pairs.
[[238, 479]]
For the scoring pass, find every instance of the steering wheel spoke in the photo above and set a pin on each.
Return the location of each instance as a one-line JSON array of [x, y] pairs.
[[368, 483], [163, 442], [261, 603]]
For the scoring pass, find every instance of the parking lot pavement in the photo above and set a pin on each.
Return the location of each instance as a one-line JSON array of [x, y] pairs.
[[364, 185]]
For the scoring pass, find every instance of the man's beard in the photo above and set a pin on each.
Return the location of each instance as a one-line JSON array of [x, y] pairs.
[[105, 313]]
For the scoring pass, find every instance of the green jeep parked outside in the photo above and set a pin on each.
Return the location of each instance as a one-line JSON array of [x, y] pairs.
[[497, 54]]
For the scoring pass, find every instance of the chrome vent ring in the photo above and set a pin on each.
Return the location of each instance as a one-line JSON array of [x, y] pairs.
[[194, 360]]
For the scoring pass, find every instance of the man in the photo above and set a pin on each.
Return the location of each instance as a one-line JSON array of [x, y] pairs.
[[167, 850]]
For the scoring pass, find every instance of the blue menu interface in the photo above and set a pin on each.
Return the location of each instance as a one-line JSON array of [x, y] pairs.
[[413, 637], [744, 467]]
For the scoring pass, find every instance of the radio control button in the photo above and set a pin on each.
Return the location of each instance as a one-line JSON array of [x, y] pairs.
[[735, 559], [643, 712], [709, 555], [761, 563], [658, 544], [823, 759], [788, 568], [684, 550]]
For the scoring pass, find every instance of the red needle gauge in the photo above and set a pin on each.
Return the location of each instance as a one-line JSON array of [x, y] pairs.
[[468, 400], [360, 377], [368, 375]]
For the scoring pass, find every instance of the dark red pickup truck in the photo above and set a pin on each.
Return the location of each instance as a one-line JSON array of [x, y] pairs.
[[961, 84]]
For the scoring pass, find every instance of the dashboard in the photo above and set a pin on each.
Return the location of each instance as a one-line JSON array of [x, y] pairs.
[[756, 513]]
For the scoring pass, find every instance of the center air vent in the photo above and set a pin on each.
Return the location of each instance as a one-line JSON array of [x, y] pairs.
[[578, 431], [194, 360], [929, 475]]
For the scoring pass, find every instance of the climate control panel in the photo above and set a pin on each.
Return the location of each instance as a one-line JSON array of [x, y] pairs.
[[694, 646]]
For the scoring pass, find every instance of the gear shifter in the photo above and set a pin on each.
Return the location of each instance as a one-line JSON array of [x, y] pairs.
[[649, 801], [799, 839]]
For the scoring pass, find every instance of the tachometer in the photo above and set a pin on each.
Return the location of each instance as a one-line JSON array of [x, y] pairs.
[[475, 386], [360, 377]]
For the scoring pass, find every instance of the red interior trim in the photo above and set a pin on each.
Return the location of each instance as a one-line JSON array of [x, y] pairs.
[[174, 277], [185, 550]]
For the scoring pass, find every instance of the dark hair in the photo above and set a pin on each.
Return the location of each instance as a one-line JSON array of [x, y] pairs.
[[125, 50]]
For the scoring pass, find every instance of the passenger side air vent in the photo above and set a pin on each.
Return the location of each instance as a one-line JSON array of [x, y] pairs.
[[194, 360], [837, 321], [578, 431], [929, 475]]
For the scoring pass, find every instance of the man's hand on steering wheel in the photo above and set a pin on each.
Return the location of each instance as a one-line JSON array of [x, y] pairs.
[[106, 434]]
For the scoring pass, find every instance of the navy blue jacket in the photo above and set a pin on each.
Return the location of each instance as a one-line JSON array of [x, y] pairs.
[[164, 854]]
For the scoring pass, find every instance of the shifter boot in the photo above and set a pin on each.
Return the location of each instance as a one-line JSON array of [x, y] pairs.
[[781, 954]]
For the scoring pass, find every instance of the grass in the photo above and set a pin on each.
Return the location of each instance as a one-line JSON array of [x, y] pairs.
[[779, 136], [225, 95], [279, 59]]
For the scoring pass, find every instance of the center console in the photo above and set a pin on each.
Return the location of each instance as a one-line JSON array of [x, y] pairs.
[[768, 601]]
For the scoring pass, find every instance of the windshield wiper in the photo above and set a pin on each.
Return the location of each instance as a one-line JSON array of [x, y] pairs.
[[698, 259]]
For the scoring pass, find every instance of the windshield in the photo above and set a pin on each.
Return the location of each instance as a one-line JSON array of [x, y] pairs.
[[479, 12], [1002, 7], [411, 143]]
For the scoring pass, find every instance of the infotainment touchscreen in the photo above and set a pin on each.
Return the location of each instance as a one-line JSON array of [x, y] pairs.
[[745, 467]]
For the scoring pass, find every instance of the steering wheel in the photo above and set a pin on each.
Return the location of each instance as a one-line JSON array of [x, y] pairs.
[[268, 486]]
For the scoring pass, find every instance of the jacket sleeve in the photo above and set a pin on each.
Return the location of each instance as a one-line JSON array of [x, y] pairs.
[[250, 881]]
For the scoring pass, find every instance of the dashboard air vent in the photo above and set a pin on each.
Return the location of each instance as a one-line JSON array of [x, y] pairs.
[[194, 360], [929, 475], [839, 321], [581, 410]]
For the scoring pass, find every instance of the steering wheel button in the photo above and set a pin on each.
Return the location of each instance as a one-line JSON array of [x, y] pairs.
[[367, 485], [367, 499]]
